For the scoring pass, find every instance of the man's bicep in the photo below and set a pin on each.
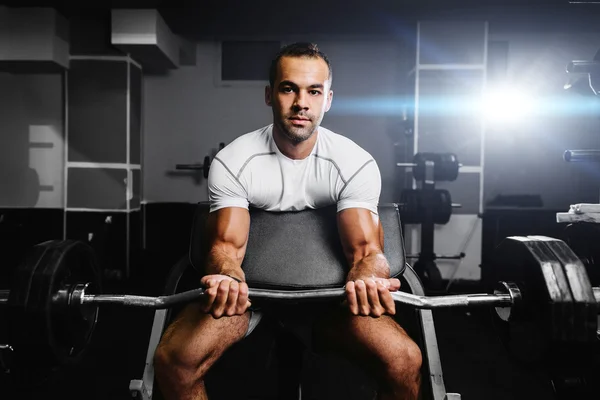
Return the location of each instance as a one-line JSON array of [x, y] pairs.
[[229, 228], [360, 233]]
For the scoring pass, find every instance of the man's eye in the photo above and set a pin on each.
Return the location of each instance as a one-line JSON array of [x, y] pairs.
[[287, 90], [315, 92]]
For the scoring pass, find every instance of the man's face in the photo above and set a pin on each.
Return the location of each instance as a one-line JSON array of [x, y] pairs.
[[300, 96]]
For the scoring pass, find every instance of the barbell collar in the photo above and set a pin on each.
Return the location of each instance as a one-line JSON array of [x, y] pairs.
[[399, 297], [596, 293]]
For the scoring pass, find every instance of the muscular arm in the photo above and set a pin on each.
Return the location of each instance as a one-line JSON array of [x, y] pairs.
[[228, 238], [229, 229], [368, 283], [361, 235]]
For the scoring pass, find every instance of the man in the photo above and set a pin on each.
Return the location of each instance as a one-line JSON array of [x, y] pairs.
[[293, 164]]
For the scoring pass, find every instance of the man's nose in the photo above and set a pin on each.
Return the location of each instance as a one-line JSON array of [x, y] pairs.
[[301, 102]]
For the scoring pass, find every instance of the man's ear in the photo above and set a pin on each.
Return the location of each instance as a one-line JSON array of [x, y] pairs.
[[268, 95], [329, 99]]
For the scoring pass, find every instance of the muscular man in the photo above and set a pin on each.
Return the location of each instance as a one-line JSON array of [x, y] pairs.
[[293, 164]]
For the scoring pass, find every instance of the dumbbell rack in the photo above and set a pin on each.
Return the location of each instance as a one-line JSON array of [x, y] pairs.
[[429, 206], [451, 63]]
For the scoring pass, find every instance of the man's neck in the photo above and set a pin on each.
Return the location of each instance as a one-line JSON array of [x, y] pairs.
[[293, 150]]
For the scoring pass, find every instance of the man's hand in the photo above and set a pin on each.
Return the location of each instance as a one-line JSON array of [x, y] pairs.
[[224, 296], [371, 296]]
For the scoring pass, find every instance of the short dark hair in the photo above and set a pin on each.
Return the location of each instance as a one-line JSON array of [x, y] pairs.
[[299, 49]]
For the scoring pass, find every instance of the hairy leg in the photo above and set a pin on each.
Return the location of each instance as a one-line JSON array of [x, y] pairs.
[[380, 345], [191, 344]]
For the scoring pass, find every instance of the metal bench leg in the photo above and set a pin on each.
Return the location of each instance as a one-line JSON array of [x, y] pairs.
[[430, 345], [142, 388]]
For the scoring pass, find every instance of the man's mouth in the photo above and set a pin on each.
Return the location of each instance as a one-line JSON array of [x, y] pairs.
[[300, 120]]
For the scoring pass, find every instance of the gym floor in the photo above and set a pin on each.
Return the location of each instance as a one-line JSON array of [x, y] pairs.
[[473, 361]]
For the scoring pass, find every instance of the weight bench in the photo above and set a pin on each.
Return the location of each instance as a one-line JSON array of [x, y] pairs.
[[267, 245]]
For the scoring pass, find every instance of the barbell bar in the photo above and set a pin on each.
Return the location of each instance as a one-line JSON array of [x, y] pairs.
[[204, 166], [77, 296], [413, 165]]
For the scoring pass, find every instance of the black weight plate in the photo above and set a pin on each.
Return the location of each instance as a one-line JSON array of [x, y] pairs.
[[535, 325], [443, 208], [411, 210], [585, 305], [49, 334], [445, 166], [449, 167]]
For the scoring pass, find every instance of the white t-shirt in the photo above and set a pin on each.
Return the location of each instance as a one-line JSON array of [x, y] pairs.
[[252, 171]]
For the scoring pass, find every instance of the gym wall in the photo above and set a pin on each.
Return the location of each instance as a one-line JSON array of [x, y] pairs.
[[31, 141]]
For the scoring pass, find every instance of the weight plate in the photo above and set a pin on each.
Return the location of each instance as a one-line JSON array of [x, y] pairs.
[[585, 317], [446, 166], [443, 210], [542, 318], [48, 333]]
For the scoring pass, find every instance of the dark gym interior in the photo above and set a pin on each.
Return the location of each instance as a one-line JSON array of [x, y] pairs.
[[111, 114]]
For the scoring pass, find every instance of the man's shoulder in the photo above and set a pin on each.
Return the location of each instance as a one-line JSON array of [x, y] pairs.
[[246, 146], [342, 151]]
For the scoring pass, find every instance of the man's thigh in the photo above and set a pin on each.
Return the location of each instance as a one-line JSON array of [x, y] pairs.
[[193, 334], [373, 342]]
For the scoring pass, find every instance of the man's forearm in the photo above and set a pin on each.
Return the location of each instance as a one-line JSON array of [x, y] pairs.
[[220, 262], [372, 265]]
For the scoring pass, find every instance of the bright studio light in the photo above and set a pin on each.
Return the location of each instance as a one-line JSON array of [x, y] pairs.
[[507, 105]]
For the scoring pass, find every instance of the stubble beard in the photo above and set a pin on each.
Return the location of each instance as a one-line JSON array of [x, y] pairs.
[[297, 134]]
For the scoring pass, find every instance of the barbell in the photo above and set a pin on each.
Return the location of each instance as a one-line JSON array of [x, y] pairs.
[[204, 166], [542, 296]]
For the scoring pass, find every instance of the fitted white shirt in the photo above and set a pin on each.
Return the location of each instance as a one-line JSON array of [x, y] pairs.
[[252, 172]]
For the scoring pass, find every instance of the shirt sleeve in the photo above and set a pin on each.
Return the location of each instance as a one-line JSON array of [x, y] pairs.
[[362, 190], [224, 188]]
